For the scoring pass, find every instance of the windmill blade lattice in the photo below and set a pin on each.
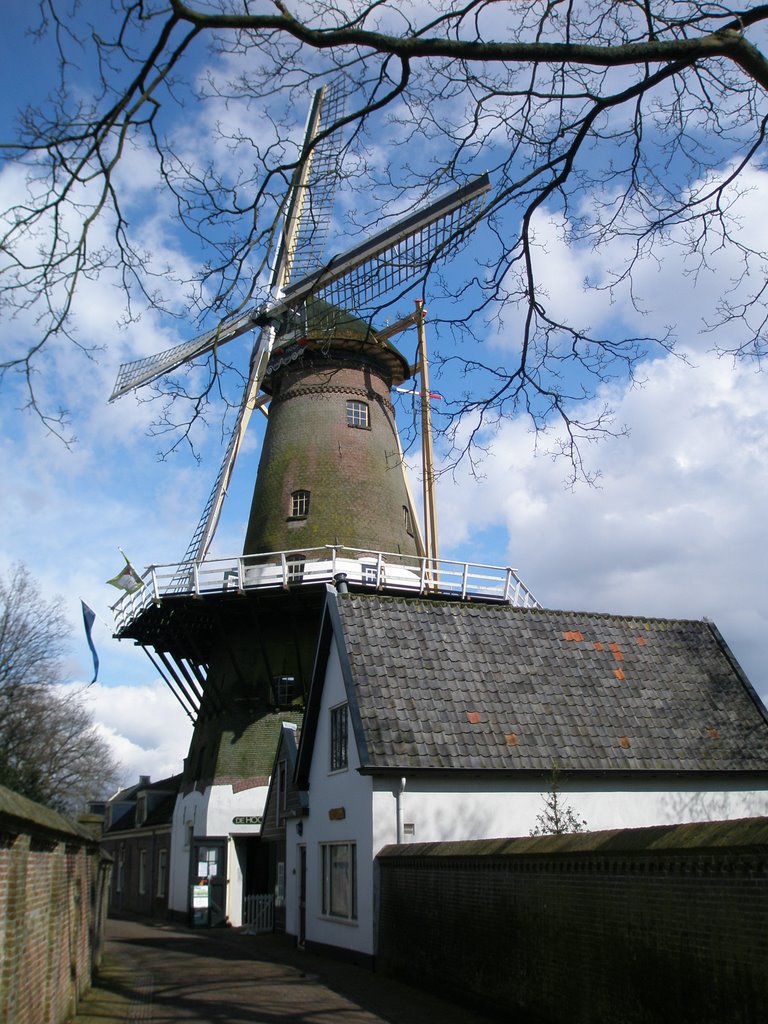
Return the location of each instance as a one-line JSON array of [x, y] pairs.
[[305, 229], [313, 197], [393, 257], [143, 371]]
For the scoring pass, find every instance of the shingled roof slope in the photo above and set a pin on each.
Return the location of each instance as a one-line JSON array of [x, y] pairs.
[[453, 685]]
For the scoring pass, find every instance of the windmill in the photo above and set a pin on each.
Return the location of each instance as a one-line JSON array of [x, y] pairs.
[[389, 259]]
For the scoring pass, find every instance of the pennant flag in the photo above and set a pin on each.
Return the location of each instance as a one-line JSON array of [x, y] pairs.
[[89, 616], [127, 579], [434, 395]]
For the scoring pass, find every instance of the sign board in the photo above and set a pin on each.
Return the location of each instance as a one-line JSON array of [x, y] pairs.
[[247, 819], [199, 897]]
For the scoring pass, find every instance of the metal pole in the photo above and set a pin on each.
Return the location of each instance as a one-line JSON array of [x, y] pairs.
[[430, 510]]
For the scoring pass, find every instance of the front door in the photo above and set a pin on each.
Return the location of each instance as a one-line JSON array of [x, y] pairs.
[[209, 868]]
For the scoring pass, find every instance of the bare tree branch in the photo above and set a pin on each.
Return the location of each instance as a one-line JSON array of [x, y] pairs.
[[630, 123]]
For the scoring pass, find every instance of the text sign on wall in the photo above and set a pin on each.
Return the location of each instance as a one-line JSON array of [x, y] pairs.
[[247, 819]]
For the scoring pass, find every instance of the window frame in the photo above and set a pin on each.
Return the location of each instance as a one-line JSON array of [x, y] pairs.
[[358, 414], [338, 892], [294, 568], [338, 738], [143, 871], [300, 504], [162, 873], [120, 873], [284, 686]]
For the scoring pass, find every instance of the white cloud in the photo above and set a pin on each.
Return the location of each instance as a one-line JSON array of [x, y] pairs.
[[676, 525], [145, 727]]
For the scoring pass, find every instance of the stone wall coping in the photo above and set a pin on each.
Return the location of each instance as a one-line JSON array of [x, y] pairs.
[[694, 837]]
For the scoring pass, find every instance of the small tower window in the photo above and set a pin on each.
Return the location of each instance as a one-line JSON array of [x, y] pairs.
[[300, 504], [284, 687], [294, 567], [358, 415]]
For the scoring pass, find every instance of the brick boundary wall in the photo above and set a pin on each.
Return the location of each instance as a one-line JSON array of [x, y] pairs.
[[53, 892], [639, 926]]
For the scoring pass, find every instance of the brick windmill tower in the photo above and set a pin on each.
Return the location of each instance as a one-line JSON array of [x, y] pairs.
[[235, 638]]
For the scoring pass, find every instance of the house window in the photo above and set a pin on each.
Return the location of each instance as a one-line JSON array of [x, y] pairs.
[[142, 872], [162, 872], [339, 870], [120, 875], [357, 415], [339, 738], [299, 504]]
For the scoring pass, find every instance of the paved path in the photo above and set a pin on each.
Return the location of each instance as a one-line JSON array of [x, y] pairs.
[[155, 973]]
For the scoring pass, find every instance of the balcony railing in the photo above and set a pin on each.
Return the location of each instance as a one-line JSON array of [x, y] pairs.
[[377, 570]]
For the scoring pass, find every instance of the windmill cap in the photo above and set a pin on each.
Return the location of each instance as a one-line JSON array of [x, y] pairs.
[[319, 326]]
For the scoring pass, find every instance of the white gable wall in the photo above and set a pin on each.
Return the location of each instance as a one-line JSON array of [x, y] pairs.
[[445, 808], [211, 813], [329, 793]]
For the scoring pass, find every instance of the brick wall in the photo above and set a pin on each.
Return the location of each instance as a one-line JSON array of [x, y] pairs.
[[53, 886], [643, 925]]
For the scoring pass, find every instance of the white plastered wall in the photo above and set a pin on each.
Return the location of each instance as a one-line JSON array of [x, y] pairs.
[[441, 810], [212, 813], [333, 791]]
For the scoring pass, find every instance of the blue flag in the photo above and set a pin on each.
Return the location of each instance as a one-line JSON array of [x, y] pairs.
[[89, 617]]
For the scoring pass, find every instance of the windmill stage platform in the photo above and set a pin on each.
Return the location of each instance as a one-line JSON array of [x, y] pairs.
[[179, 610], [283, 570]]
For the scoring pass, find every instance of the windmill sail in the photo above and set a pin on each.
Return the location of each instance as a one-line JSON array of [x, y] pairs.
[[305, 229], [143, 371], [394, 256], [310, 209]]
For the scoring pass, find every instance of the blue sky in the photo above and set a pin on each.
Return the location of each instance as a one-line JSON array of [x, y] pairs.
[[674, 527]]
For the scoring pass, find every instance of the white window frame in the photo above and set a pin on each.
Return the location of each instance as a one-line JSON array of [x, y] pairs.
[[358, 414], [300, 501], [339, 881]]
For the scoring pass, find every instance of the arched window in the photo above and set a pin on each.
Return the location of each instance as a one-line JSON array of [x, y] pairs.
[[358, 415], [300, 504]]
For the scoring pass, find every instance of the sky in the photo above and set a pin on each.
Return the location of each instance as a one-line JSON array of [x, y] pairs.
[[674, 525]]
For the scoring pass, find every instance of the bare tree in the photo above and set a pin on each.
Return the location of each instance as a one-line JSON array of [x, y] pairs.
[[634, 121], [50, 749], [558, 817]]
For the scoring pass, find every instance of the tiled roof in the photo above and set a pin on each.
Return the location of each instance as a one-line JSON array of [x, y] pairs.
[[454, 685]]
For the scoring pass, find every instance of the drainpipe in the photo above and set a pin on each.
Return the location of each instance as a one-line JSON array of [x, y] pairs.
[[399, 810]]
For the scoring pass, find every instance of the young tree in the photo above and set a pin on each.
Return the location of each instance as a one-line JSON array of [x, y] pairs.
[[558, 817], [631, 122], [50, 750]]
